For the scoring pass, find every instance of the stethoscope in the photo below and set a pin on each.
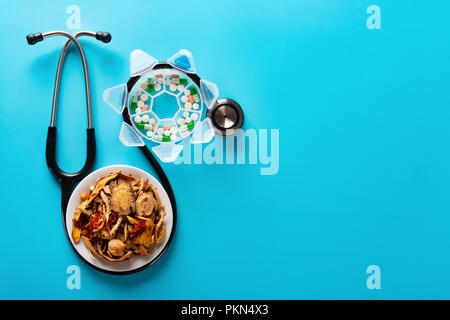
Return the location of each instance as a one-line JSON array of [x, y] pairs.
[[68, 180]]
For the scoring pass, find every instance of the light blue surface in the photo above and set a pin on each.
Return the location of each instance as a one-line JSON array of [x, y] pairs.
[[364, 173]]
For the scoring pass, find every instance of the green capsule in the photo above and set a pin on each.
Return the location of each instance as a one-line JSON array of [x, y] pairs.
[[166, 138], [193, 91], [133, 106], [151, 87], [190, 125], [141, 125], [183, 81]]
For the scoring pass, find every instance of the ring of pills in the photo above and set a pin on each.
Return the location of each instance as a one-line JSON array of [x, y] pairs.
[[150, 87]]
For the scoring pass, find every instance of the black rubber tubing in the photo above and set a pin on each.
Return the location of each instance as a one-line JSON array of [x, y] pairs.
[[68, 180]]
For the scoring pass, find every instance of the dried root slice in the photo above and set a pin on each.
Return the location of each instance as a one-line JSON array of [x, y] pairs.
[[116, 226], [116, 247], [160, 231], [122, 198], [145, 238], [76, 231], [141, 185], [132, 220], [145, 204], [155, 194], [84, 196], [125, 231], [101, 184], [88, 244], [104, 235], [106, 202], [76, 215], [83, 208], [107, 190], [141, 249]]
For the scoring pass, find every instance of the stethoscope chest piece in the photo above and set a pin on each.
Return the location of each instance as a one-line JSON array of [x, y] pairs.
[[226, 116]]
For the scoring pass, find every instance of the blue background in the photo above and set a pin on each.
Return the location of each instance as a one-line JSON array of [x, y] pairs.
[[364, 159]]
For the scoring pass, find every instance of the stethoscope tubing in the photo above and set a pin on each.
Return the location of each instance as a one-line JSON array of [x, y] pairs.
[[85, 70], [72, 38], [68, 180]]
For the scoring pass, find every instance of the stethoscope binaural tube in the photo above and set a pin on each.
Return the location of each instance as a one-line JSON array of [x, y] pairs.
[[68, 180]]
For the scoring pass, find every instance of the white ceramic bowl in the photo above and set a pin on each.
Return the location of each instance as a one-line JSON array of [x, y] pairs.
[[135, 263]]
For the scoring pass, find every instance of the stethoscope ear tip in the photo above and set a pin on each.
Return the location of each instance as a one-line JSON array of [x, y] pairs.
[[34, 38], [103, 36]]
